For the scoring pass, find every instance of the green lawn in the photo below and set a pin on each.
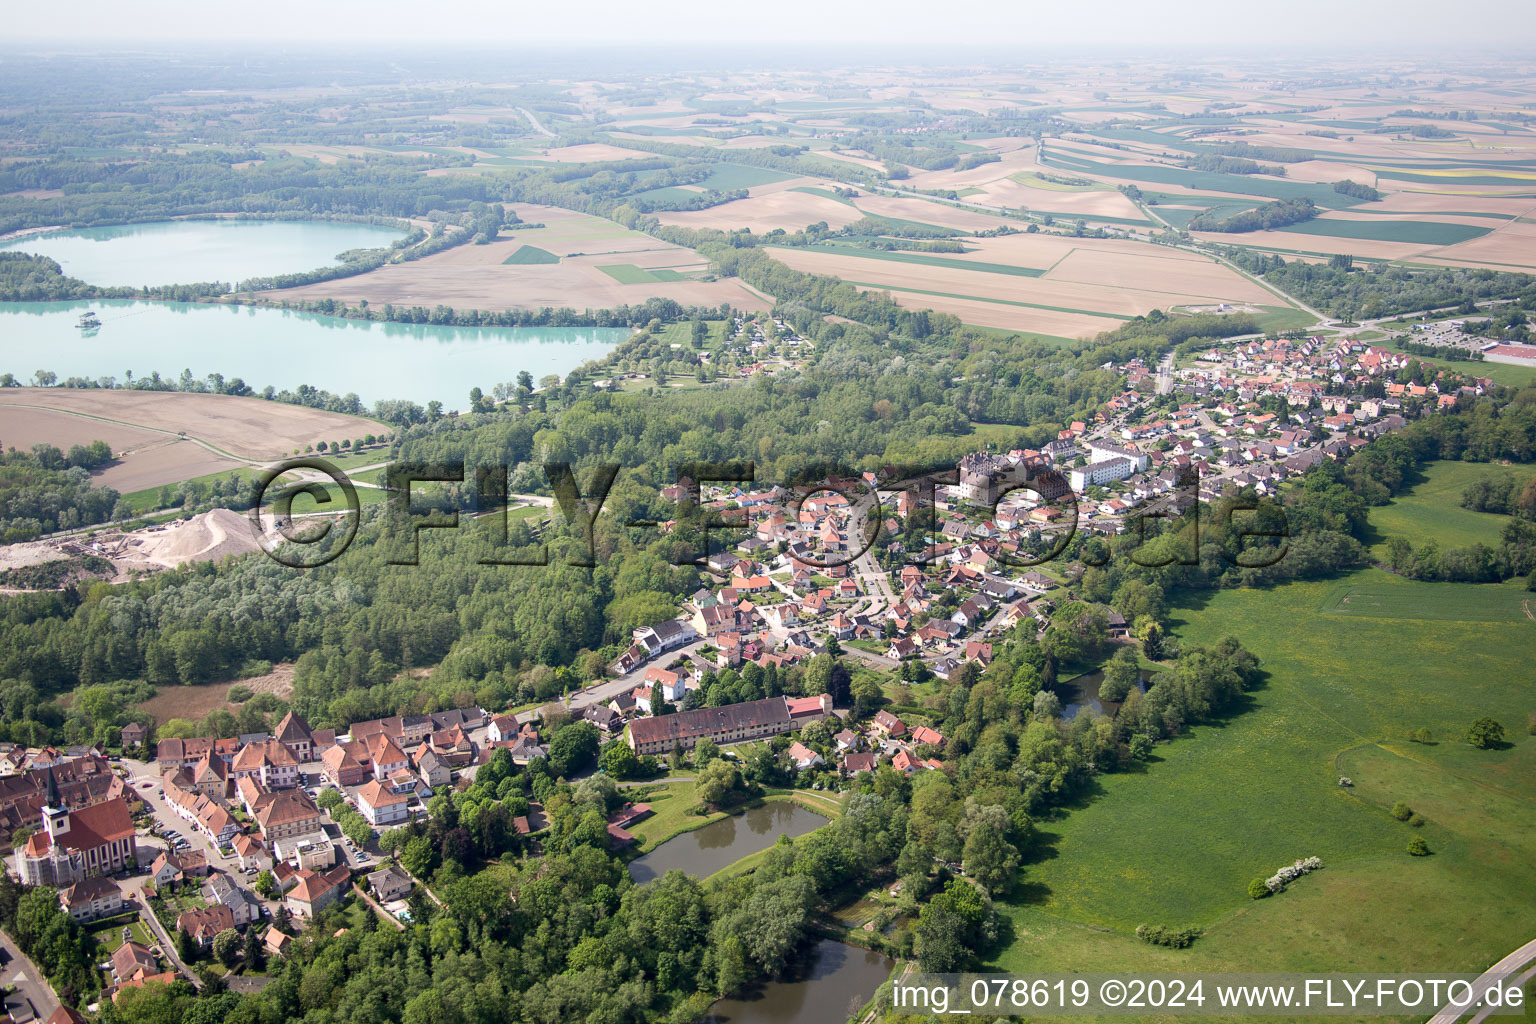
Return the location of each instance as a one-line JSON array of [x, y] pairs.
[[529, 255], [1284, 318], [1431, 509], [672, 806], [1002, 433], [109, 937], [1177, 843]]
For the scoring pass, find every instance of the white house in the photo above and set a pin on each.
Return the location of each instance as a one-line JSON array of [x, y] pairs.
[[381, 805]]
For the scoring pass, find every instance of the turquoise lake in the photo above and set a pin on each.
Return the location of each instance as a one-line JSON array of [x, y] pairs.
[[285, 349], [194, 251]]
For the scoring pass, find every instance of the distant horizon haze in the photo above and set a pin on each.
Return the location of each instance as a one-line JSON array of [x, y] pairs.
[[990, 26]]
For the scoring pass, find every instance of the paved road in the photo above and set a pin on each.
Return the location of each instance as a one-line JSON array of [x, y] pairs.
[[602, 693], [1165, 374], [1521, 957], [167, 944], [138, 773], [535, 122], [23, 975]]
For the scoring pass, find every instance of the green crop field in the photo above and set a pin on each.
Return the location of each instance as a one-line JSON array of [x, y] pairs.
[[530, 254], [725, 176], [1417, 232], [1431, 509], [1178, 842], [628, 273]]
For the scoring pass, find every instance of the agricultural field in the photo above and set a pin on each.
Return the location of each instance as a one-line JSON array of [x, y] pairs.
[[1177, 843], [1431, 509], [495, 276], [1047, 284], [164, 437], [530, 255]]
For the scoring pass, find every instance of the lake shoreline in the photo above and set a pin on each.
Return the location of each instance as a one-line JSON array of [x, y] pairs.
[[285, 349]]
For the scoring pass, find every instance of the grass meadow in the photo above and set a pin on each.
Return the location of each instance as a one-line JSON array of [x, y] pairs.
[[1431, 509], [1178, 842]]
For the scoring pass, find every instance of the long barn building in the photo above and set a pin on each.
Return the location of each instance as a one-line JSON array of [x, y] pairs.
[[732, 723]]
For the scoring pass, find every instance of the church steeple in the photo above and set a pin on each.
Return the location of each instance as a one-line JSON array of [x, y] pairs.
[[55, 817]]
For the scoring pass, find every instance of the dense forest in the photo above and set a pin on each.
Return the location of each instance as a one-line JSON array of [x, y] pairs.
[[44, 489]]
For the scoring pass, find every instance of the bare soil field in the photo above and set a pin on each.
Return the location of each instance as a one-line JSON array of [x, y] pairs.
[[145, 458], [1513, 245], [1153, 274], [853, 158], [198, 702], [932, 213], [22, 427], [1133, 284], [475, 276], [247, 428], [1009, 318], [168, 460], [1044, 250], [1088, 203], [785, 209], [1409, 203]]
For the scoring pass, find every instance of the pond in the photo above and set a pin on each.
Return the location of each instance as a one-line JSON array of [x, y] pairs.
[[194, 251], [1082, 693], [284, 349], [719, 844], [835, 980]]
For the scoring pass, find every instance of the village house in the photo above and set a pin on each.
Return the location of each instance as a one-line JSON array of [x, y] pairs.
[[381, 805], [203, 923], [887, 724], [268, 762], [293, 732], [389, 883], [314, 891], [285, 813], [858, 763], [171, 869], [220, 890], [130, 958], [803, 757], [341, 767], [91, 899]]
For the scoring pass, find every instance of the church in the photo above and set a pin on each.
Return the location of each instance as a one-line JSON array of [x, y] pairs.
[[78, 844]]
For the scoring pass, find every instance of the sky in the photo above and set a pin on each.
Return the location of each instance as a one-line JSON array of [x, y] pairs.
[[1029, 26]]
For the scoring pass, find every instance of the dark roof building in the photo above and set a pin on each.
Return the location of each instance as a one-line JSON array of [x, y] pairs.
[[728, 724]]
